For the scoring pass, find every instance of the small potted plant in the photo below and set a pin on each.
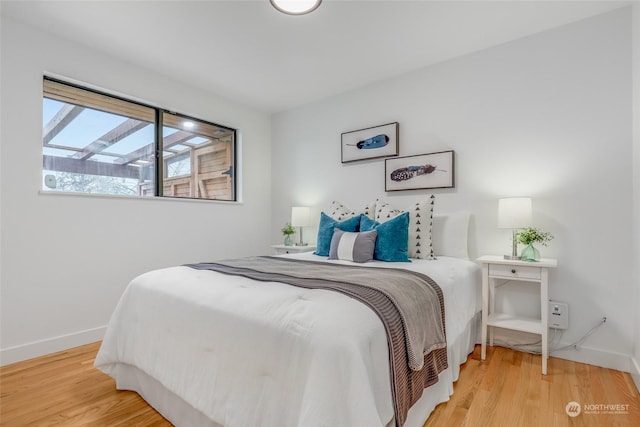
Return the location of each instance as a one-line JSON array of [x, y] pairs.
[[288, 231], [528, 237]]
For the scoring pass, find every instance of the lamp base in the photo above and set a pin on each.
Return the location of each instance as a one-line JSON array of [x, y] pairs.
[[514, 247], [301, 243]]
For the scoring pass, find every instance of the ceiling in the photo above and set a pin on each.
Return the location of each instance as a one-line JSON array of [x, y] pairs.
[[248, 52]]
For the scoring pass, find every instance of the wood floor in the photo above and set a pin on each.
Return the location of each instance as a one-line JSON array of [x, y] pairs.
[[508, 389], [63, 389]]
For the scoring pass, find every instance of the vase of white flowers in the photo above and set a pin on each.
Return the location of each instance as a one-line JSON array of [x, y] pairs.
[[528, 237]]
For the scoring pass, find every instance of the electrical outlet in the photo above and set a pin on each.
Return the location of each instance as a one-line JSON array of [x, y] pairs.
[[558, 315]]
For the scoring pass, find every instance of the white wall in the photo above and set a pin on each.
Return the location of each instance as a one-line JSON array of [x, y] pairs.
[[636, 188], [66, 259], [547, 116]]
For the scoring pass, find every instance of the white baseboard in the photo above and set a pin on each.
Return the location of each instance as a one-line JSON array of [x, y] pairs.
[[597, 357], [584, 354], [635, 372], [51, 345]]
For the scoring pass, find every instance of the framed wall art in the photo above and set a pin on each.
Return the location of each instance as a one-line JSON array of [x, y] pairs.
[[370, 143], [424, 171]]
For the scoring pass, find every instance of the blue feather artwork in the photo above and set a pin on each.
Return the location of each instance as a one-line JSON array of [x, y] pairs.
[[377, 141], [369, 143]]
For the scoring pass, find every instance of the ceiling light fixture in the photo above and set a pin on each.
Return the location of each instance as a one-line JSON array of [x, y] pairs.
[[296, 7]]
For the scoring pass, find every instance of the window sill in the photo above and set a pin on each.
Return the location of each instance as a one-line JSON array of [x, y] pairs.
[[125, 197]]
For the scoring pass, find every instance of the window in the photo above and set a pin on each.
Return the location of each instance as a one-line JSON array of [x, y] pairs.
[[198, 158], [101, 144]]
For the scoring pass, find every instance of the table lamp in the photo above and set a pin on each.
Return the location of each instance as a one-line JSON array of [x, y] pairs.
[[514, 213], [300, 218]]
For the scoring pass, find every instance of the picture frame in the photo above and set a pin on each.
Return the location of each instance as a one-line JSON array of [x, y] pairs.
[[423, 171], [370, 143]]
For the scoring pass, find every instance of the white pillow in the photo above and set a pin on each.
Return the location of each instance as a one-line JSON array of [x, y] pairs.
[[449, 235]]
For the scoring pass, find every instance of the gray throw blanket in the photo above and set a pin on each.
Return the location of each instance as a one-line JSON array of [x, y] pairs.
[[409, 304]]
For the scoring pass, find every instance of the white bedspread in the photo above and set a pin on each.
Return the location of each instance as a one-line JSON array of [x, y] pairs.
[[248, 353]]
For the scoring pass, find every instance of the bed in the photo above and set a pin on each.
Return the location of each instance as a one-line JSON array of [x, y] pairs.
[[211, 349]]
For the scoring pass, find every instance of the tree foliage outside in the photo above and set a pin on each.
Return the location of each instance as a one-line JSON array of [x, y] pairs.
[[96, 184], [179, 167]]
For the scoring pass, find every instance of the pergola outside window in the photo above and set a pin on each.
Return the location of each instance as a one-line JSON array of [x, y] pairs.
[[101, 144]]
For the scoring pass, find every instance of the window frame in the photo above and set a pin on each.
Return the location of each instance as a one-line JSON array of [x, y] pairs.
[[159, 164]]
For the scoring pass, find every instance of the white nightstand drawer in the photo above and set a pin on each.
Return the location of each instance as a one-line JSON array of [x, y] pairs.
[[514, 271], [282, 249]]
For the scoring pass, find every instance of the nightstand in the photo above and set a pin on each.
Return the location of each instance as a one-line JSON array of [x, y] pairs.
[[497, 271], [282, 249]]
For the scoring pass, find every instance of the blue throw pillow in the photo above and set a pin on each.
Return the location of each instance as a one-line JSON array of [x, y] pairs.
[[392, 242], [325, 231]]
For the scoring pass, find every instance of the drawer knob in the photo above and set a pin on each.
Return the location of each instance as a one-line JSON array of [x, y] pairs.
[[513, 270]]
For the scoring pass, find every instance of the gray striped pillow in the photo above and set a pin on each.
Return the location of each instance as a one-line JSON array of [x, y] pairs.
[[356, 247]]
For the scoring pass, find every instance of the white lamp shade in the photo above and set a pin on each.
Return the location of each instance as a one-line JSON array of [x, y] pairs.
[[296, 7], [514, 212], [300, 216]]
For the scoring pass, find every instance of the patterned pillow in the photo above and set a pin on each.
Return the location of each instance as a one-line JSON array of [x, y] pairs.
[[420, 225], [356, 247], [385, 212], [420, 229], [340, 212]]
